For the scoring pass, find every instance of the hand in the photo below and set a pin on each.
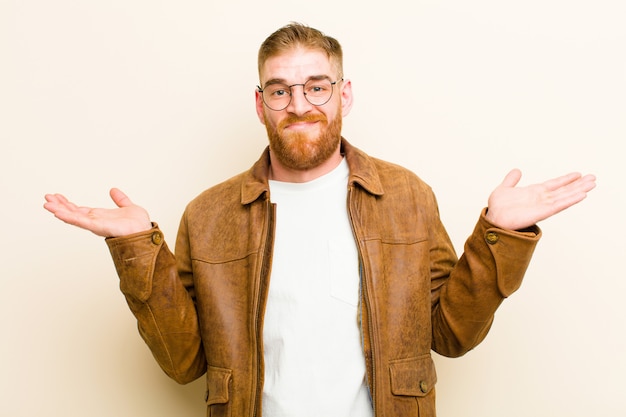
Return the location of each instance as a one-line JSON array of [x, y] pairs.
[[515, 208], [127, 219]]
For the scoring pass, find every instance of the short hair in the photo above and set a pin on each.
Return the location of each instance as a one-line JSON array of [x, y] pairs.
[[296, 35]]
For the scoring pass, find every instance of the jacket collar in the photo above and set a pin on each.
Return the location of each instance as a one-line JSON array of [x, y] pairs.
[[362, 172]]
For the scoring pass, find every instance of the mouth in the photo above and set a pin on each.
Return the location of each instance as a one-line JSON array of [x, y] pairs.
[[298, 126]]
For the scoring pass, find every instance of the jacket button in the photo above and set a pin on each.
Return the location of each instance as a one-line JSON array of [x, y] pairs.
[[424, 386], [491, 238], [157, 238]]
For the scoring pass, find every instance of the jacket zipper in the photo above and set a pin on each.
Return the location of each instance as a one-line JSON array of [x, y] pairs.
[[364, 298], [262, 299]]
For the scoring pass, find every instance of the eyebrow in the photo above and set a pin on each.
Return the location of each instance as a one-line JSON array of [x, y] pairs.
[[283, 81]]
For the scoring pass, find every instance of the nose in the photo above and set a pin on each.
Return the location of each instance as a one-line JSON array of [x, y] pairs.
[[298, 104]]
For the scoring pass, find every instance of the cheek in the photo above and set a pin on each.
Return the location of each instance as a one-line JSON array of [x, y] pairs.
[[269, 120]]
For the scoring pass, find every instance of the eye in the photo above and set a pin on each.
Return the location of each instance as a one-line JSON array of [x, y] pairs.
[[277, 90], [317, 88]]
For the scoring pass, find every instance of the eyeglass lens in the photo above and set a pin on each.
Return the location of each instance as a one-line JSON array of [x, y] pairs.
[[317, 92]]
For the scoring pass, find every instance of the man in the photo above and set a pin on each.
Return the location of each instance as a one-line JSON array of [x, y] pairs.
[[293, 305]]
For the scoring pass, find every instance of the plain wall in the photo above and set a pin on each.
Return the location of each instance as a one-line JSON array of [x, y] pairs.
[[157, 98]]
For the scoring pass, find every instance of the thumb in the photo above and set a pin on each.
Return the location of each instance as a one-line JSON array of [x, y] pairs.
[[120, 199], [512, 178]]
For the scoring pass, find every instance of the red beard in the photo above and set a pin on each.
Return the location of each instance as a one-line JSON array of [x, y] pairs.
[[299, 150]]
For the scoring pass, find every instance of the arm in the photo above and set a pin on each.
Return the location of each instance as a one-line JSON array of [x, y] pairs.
[[161, 302], [149, 280], [466, 295], [495, 258]]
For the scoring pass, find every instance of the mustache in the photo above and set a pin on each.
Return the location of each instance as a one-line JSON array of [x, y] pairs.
[[299, 119]]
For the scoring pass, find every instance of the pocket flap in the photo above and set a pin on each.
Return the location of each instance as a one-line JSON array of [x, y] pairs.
[[414, 377], [217, 382]]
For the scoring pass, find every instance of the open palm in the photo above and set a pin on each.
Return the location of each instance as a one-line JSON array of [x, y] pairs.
[[515, 208], [126, 219]]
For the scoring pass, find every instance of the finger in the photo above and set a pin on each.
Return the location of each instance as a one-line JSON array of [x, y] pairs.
[[55, 198], [576, 190], [120, 199], [67, 204], [561, 181], [588, 182], [51, 201], [49, 205], [512, 178], [56, 202], [584, 184], [74, 216], [566, 201], [573, 192]]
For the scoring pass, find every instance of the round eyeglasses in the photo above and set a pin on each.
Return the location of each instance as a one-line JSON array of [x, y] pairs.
[[277, 96]]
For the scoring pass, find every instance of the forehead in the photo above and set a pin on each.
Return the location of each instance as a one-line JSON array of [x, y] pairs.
[[296, 65]]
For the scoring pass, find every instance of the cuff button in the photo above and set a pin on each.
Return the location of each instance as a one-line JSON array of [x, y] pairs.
[[491, 237], [157, 238]]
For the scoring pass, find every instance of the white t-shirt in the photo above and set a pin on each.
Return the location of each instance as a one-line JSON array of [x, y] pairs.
[[314, 364]]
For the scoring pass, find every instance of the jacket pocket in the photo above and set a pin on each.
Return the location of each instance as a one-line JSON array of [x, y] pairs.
[[414, 377], [218, 389]]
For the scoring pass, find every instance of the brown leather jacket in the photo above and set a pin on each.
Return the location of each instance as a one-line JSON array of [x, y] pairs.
[[202, 311]]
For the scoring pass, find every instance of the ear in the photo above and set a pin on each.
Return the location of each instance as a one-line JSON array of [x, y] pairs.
[[259, 105], [346, 97]]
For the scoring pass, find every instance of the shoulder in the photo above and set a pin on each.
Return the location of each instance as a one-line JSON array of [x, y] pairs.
[[235, 193], [379, 176], [398, 178], [223, 196]]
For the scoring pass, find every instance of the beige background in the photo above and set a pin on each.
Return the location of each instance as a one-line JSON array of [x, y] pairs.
[[157, 99]]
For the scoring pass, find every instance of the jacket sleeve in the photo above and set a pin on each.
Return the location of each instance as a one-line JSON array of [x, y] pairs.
[[490, 269], [161, 302]]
